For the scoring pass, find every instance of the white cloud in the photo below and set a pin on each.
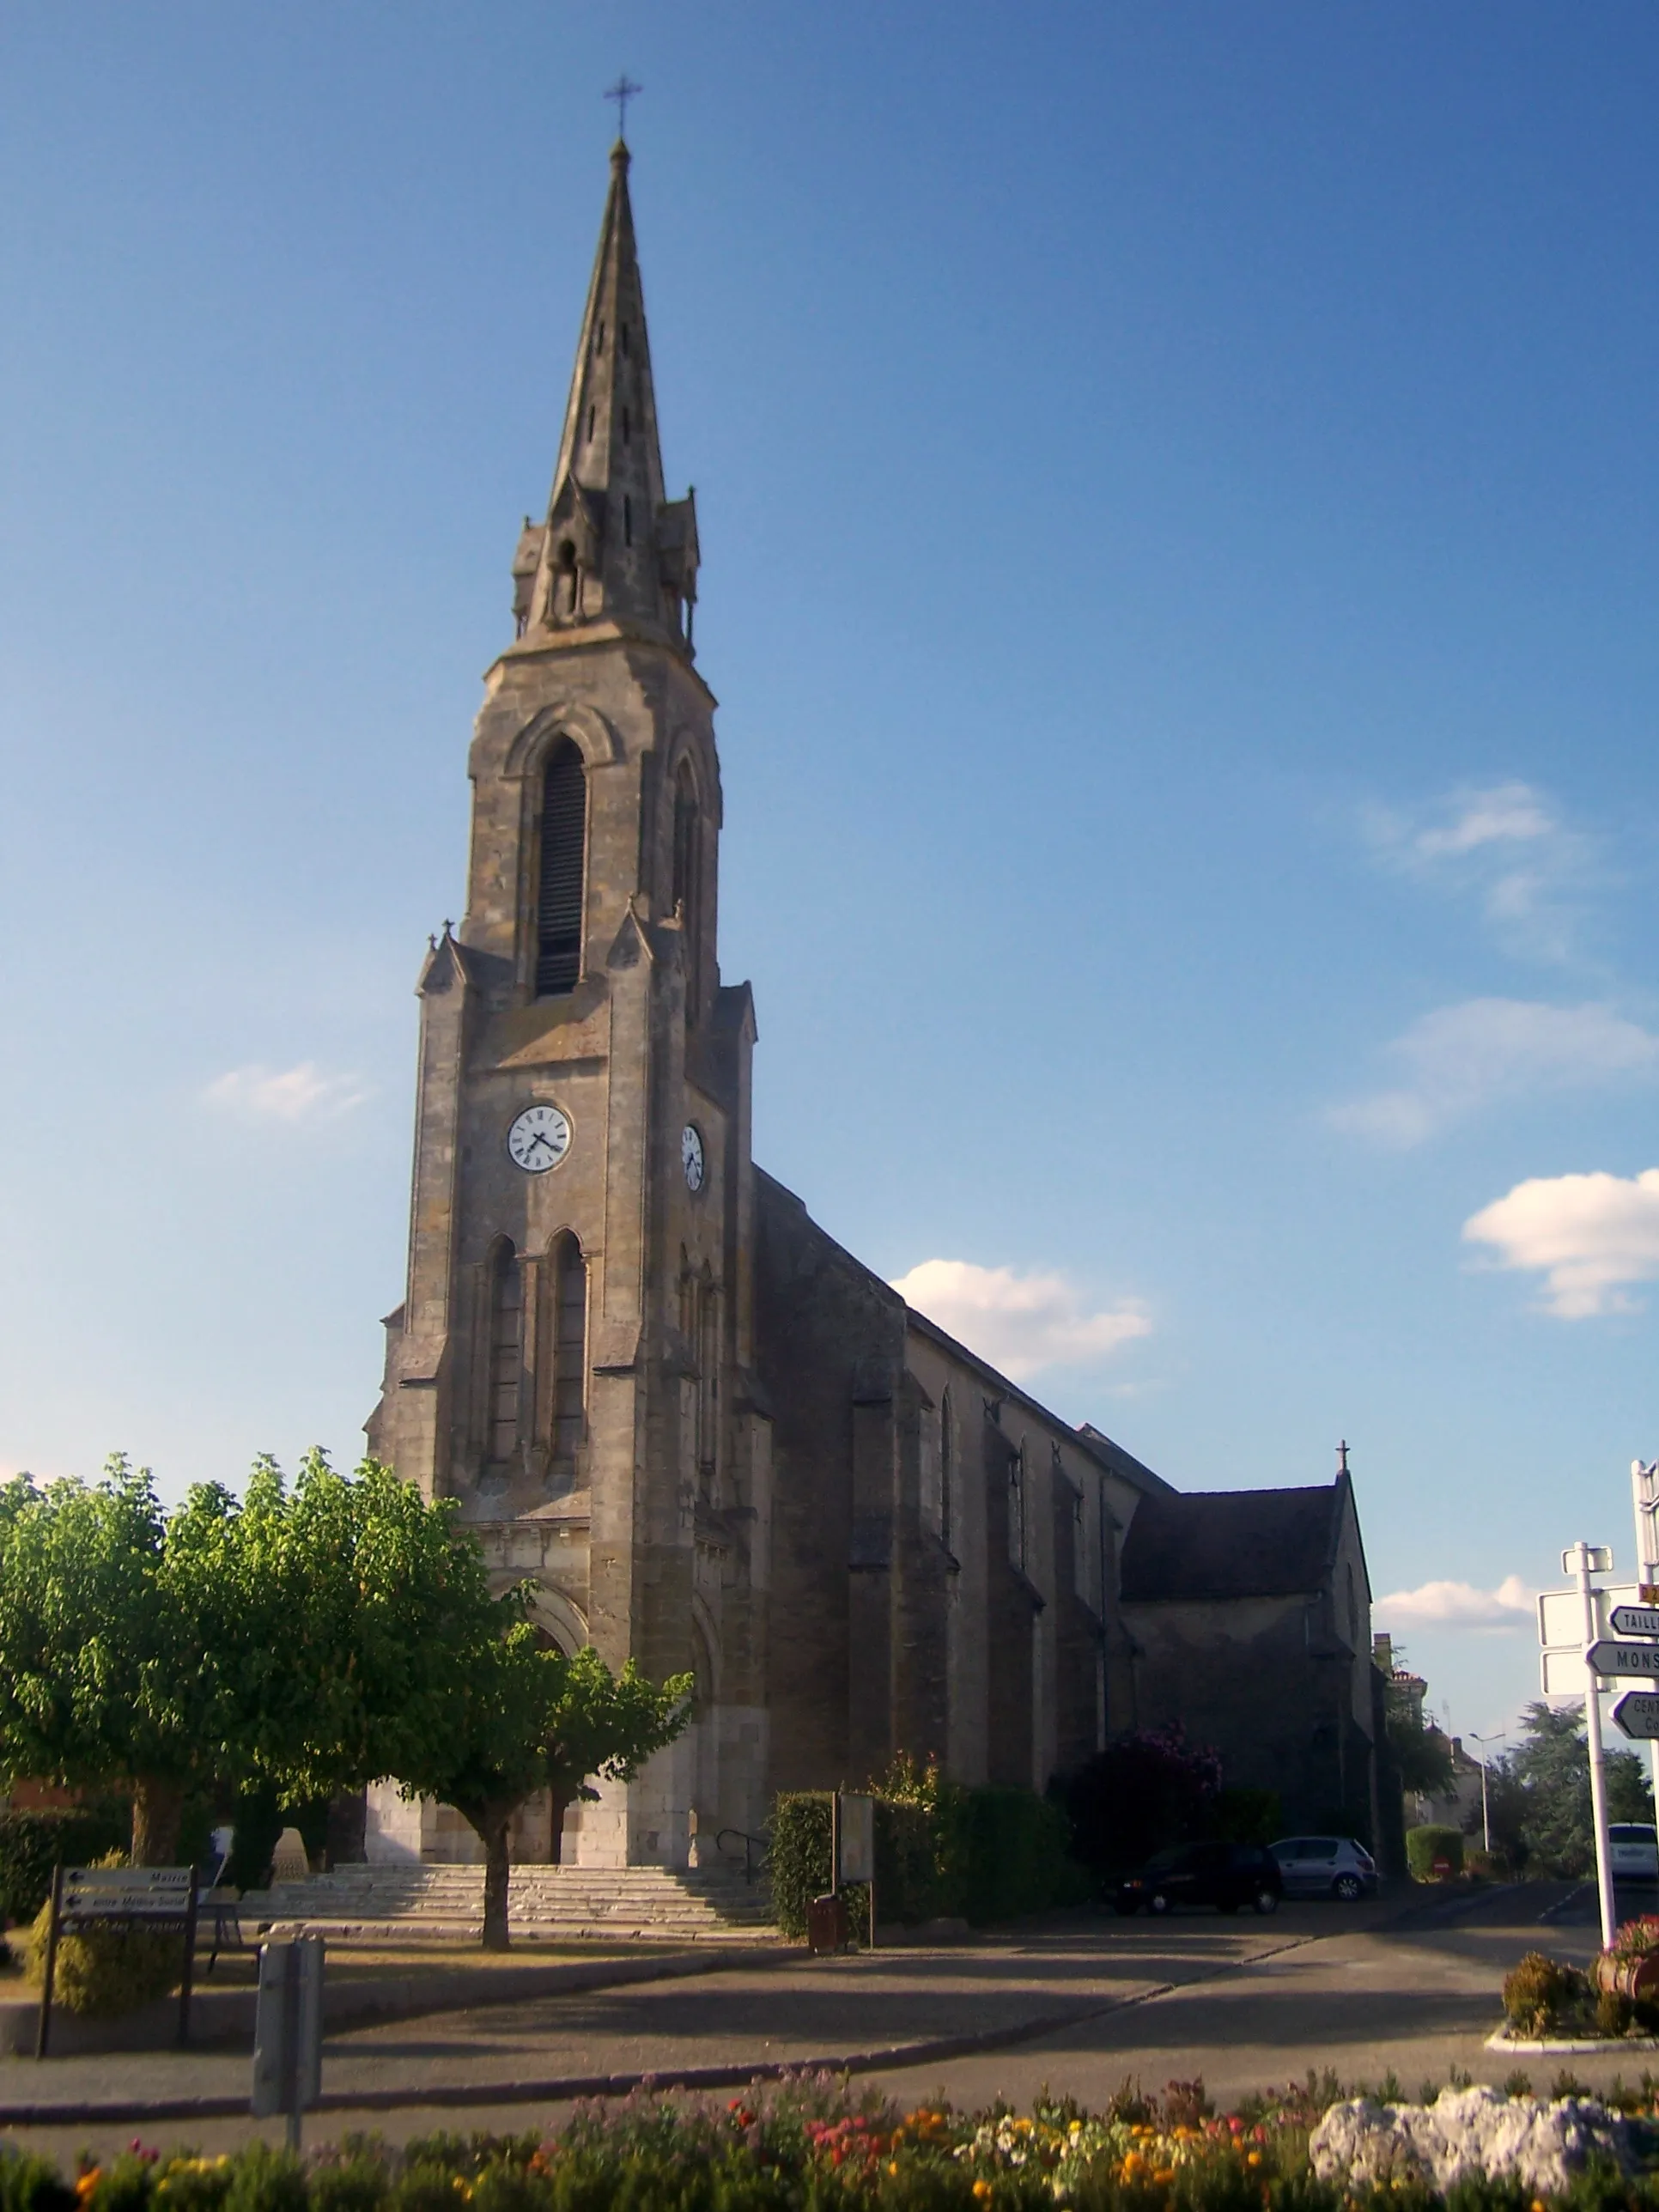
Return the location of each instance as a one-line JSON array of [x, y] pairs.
[[1506, 845], [1457, 1605], [1018, 1322], [301, 1093], [1461, 1058], [1588, 1234]]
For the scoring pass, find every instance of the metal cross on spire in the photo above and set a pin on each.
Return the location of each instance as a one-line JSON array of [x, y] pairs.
[[622, 92], [1342, 1456]]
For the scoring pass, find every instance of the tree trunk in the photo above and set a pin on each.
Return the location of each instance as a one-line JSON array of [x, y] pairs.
[[158, 1807], [492, 1829]]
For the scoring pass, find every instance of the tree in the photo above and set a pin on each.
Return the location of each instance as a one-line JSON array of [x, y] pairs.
[[1541, 1800], [1421, 1755], [114, 1669], [521, 1717], [1140, 1793], [309, 1639], [608, 1725]]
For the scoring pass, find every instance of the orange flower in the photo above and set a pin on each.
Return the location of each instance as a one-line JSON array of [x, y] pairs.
[[981, 2190]]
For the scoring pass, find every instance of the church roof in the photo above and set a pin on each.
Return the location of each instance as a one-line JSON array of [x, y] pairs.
[[1232, 1543]]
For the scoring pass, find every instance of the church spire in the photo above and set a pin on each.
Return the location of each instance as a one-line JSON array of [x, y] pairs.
[[613, 551]]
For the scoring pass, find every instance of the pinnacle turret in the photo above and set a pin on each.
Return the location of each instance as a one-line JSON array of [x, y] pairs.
[[613, 551]]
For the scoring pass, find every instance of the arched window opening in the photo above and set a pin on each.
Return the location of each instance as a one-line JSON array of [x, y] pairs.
[[1354, 1610], [598, 339], [628, 426], [569, 1353], [628, 520], [947, 1470], [688, 881], [1016, 1509], [708, 1388], [506, 1354], [559, 895], [592, 416]]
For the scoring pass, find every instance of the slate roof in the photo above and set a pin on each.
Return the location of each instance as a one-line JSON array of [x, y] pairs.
[[1230, 1543]]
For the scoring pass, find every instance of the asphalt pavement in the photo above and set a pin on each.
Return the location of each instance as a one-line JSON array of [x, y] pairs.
[[1403, 1985]]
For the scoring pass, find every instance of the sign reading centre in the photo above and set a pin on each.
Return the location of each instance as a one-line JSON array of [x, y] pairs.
[[1637, 1714]]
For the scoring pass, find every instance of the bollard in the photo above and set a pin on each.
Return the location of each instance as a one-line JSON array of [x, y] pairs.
[[288, 2031]]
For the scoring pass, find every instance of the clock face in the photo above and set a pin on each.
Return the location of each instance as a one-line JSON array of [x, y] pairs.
[[691, 1155], [539, 1139]]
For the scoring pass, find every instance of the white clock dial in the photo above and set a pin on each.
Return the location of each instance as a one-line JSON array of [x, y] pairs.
[[539, 1139], [691, 1155]]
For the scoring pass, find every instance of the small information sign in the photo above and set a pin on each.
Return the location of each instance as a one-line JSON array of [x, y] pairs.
[[1634, 1621], [1605, 1657]]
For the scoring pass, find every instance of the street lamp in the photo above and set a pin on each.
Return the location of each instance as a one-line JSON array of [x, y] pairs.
[[1497, 1736]]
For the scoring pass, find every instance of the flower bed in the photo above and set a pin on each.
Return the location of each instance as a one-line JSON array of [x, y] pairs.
[[809, 2144]]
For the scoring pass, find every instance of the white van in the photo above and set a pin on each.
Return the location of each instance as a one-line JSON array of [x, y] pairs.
[[1633, 1848]]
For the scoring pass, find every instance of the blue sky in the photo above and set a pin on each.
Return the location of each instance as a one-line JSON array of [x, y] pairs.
[[1177, 490]]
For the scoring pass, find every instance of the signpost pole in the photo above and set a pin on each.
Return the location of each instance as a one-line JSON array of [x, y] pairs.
[[1580, 1562], [1644, 1495]]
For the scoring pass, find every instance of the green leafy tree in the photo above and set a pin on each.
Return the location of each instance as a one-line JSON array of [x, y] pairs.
[[1421, 1755], [114, 1669], [522, 1717], [1541, 1800], [609, 1725]]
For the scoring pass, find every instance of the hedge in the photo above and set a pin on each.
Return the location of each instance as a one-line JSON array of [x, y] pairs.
[[32, 1843], [1425, 1844], [978, 1855]]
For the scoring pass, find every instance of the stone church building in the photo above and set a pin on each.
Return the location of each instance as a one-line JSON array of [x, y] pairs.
[[710, 1436]]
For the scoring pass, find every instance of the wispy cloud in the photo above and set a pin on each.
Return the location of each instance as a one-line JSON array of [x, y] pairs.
[[1459, 1059], [302, 1093], [1590, 1236], [1507, 846], [1020, 1323], [1457, 1605]]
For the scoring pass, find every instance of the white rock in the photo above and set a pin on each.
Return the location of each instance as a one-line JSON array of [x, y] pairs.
[[1542, 2143]]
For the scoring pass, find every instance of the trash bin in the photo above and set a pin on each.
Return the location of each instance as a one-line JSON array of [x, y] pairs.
[[826, 1923]]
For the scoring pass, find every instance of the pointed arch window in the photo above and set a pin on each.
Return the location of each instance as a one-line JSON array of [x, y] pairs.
[[1016, 1509], [569, 1333], [688, 881], [506, 1354], [559, 882]]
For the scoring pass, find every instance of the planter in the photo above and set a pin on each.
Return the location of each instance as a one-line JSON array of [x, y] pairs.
[[1635, 1976]]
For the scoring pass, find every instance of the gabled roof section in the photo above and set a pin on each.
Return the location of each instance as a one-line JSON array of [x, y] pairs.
[[1232, 1543]]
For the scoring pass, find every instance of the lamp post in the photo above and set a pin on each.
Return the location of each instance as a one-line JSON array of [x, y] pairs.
[[1497, 1736]]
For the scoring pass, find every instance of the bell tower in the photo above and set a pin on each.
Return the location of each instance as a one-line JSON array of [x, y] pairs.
[[573, 1359]]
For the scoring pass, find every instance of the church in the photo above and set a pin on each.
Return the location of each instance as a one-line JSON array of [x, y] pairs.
[[709, 1436]]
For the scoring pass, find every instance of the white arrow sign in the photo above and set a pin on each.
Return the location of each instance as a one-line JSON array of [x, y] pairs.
[[1638, 1713], [1634, 1621], [1606, 1658]]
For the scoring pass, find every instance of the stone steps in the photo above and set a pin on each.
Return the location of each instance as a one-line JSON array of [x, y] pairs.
[[546, 1903]]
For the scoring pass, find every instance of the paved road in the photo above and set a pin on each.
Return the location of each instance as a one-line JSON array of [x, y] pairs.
[[1243, 2003]]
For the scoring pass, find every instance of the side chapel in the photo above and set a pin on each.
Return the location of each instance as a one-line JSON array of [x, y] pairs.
[[709, 1435]]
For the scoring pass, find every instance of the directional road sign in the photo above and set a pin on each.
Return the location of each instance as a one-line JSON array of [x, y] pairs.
[[1609, 1658], [1638, 1713], [1634, 1621]]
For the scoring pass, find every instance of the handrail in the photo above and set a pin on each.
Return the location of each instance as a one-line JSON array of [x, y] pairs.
[[751, 1864]]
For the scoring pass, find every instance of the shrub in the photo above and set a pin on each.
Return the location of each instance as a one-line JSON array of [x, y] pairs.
[[1425, 1844], [1542, 1994], [1140, 1793], [799, 1856], [1017, 1855], [32, 1843], [104, 1969], [1249, 1816]]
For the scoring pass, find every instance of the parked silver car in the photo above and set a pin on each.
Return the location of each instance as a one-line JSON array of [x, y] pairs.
[[1633, 1848], [1325, 1866]]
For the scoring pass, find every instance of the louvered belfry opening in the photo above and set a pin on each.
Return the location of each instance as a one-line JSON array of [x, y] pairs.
[[559, 887], [687, 887]]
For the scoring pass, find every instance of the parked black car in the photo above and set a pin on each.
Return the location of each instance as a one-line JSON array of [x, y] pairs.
[[1226, 1875]]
